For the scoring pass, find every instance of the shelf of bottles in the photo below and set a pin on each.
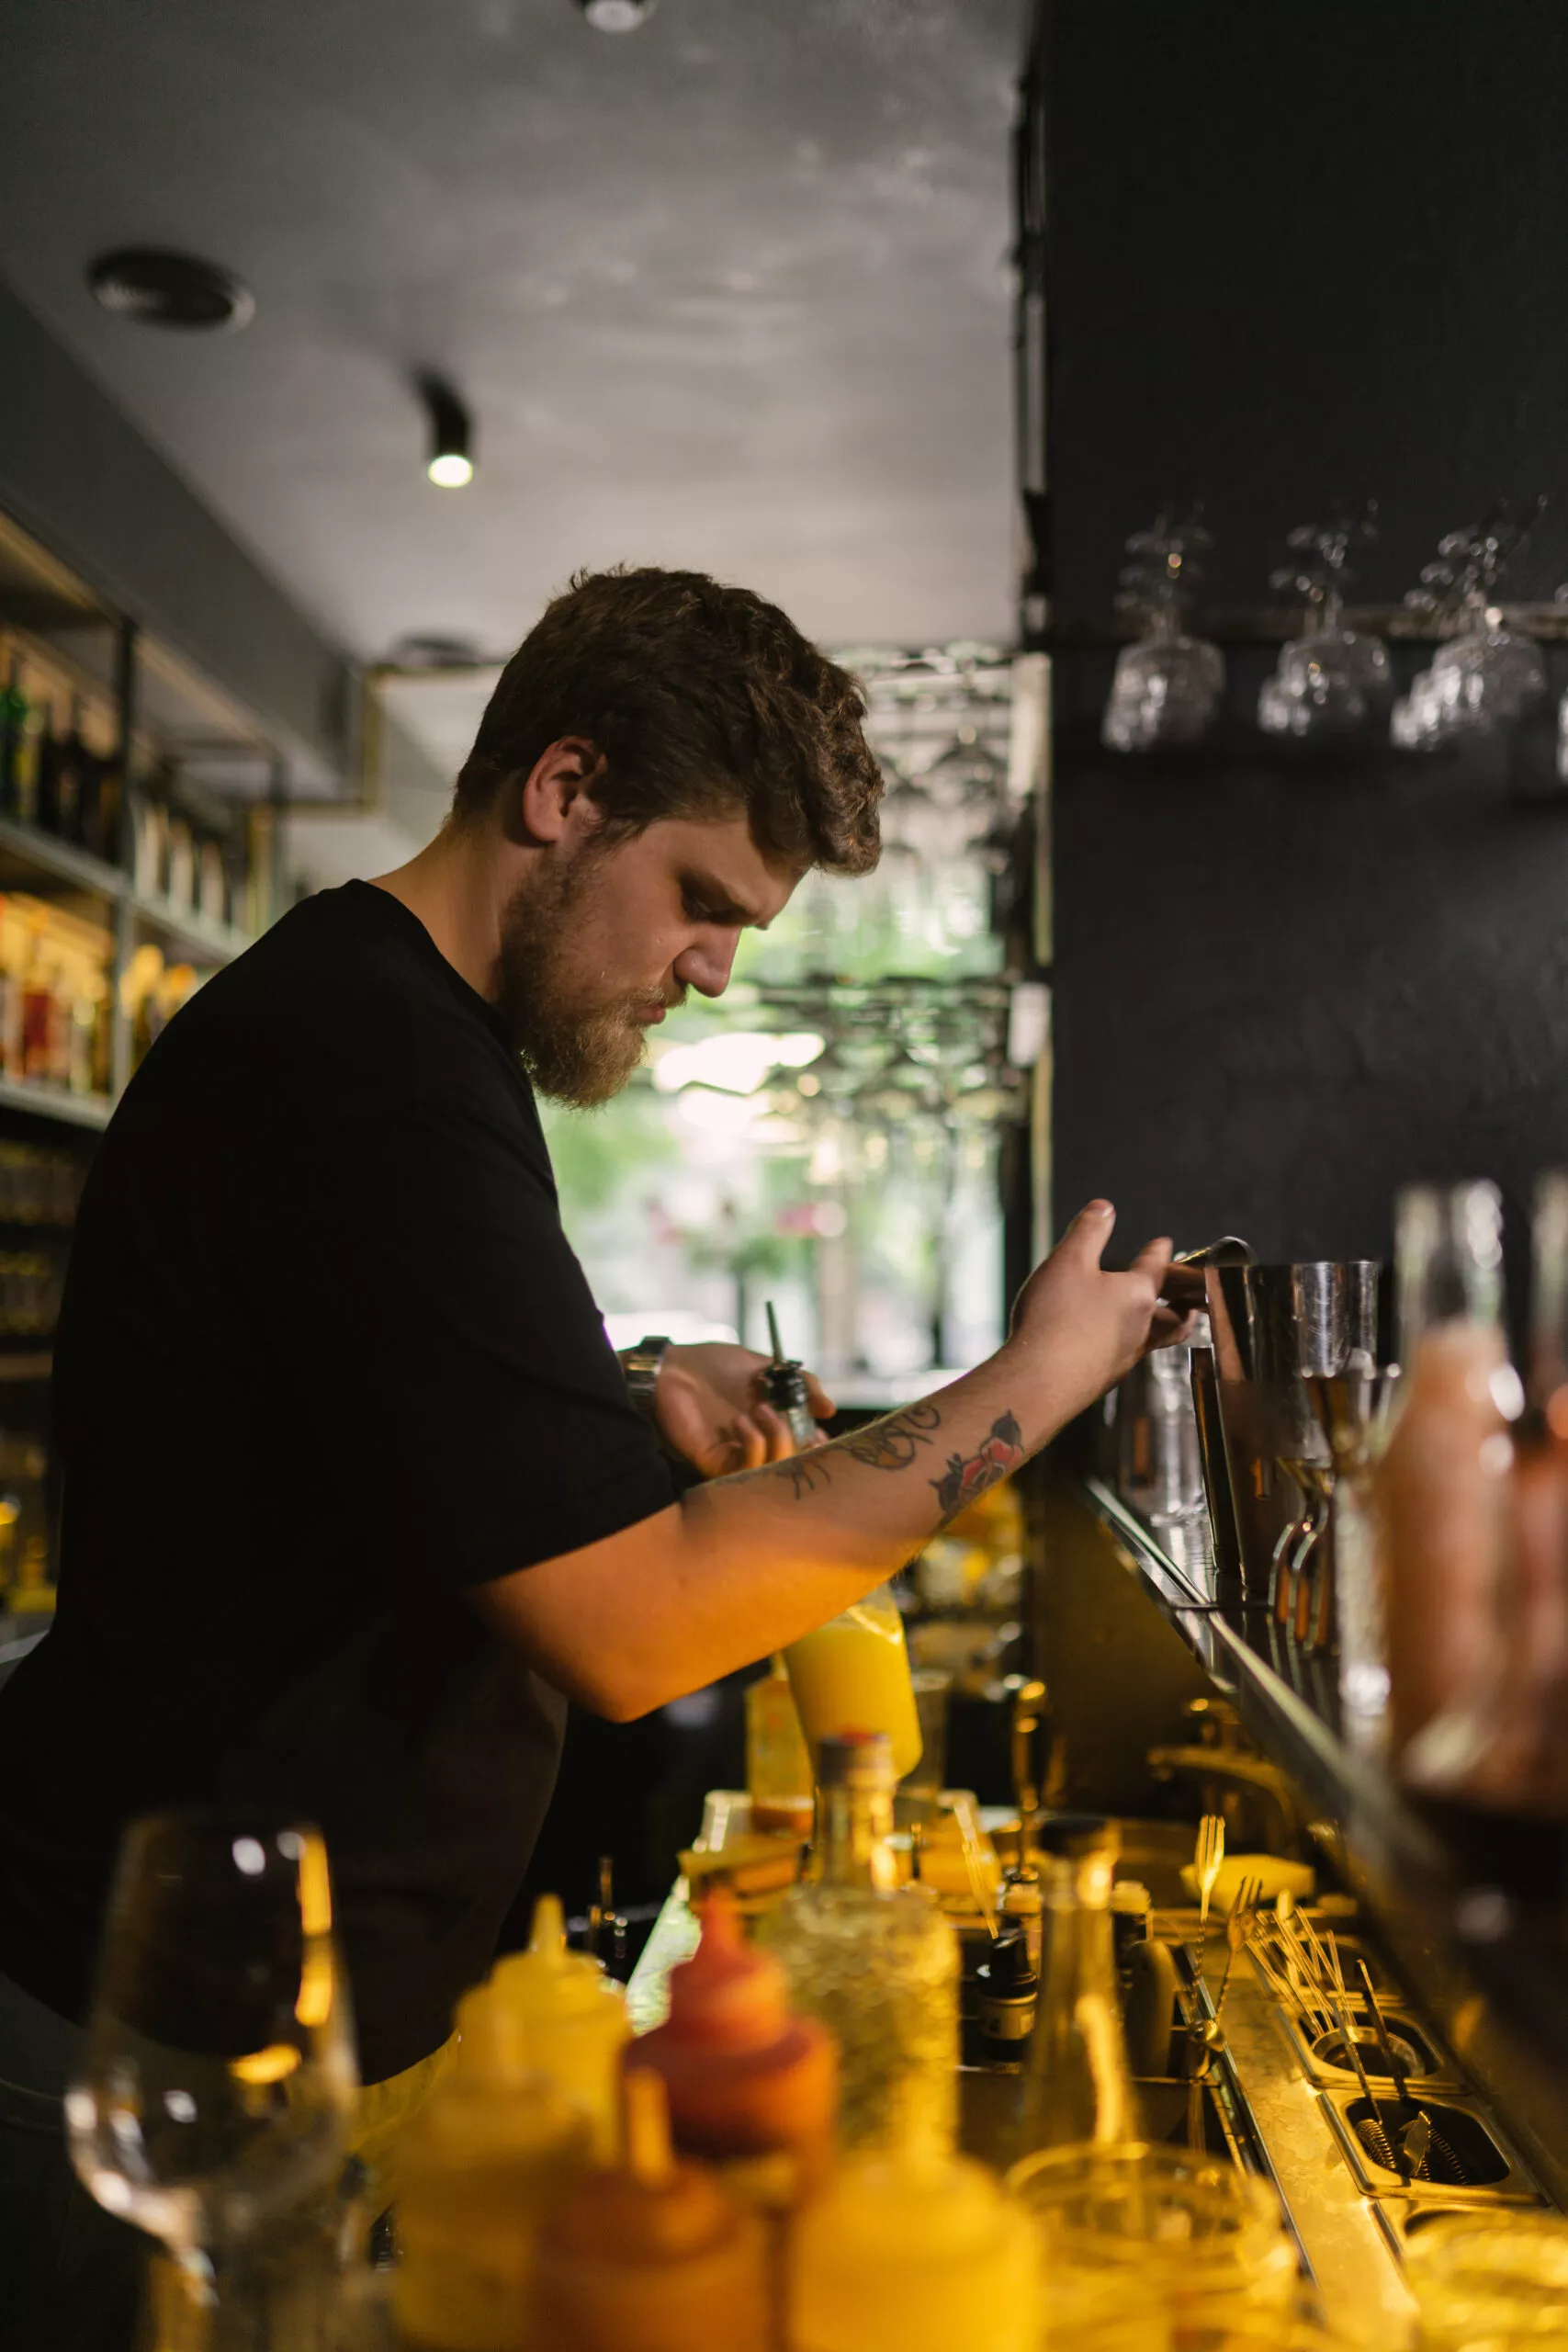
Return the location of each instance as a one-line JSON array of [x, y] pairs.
[[120, 887]]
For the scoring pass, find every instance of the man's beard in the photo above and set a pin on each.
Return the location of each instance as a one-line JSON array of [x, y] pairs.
[[574, 1052]]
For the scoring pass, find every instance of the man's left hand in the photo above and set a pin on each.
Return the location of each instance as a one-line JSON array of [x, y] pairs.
[[709, 1407]]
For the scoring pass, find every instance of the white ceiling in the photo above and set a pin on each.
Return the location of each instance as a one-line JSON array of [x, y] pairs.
[[731, 291]]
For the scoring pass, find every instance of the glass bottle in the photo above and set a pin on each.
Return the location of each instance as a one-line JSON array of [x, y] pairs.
[[874, 1961], [1504, 1746], [1078, 2084], [778, 1762], [1441, 1488]]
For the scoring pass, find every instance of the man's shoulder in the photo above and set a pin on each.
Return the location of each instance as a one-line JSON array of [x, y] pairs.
[[345, 998]]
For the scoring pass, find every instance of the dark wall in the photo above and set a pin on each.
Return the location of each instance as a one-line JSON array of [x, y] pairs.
[[1294, 254]]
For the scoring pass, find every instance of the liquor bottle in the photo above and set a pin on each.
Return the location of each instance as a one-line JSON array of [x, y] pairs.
[[874, 1961], [752, 2087], [778, 1762], [1441, 1487], [652, 2254], [1078, 2084], [61, 782], [40, 1018]]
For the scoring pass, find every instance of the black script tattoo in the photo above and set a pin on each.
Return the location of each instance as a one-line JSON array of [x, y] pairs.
[[893, 1444], [968, 1477]]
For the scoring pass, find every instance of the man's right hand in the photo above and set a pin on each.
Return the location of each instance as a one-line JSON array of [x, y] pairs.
[[1082, 1329]]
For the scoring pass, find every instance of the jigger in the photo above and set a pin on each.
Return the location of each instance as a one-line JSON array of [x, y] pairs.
[[1275, 1329]]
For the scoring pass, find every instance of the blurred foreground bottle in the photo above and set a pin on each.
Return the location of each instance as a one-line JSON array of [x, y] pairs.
[[876, 1962], [1501, 1740], [900, 2257], [1441, 1488], [555, 2012], [1078, 2084], [653, 2256], [750, 2087], [488, 2154]]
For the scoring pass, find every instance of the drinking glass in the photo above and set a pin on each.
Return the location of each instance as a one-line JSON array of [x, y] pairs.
[[1497, 2279], [1138, 2224], [1487, 676], [1166, 686], [1328, 679], [218, 2078]]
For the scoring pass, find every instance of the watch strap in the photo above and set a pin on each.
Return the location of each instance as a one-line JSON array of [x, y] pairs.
[[641, 1365]]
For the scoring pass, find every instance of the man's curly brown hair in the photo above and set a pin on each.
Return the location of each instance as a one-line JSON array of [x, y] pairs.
[[704, 702]]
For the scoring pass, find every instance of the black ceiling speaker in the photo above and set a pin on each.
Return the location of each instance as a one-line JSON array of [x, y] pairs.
[[616, 16], [165, 290]]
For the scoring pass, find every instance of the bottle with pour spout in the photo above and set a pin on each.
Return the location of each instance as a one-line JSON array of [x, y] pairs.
[[874, 1961], [851, 1674]]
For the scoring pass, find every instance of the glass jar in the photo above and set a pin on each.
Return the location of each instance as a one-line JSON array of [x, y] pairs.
[[1118, 2223]]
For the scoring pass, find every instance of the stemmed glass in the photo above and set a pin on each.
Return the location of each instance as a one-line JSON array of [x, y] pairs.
[[219, 2079], [1167, 685], [1327, 679], [1485, 676]]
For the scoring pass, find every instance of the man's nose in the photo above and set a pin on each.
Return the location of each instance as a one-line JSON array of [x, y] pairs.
[[706, 964]]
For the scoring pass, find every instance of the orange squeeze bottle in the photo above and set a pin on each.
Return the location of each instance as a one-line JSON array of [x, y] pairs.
[[652, 2254]]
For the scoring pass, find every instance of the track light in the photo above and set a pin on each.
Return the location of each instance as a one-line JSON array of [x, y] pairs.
[[616, 16], [168, 289], [451, 464]]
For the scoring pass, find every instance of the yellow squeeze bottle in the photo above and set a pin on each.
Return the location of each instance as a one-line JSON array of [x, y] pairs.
[[481, 2164], [853, 1674], [563, 2017], [900, 2257]]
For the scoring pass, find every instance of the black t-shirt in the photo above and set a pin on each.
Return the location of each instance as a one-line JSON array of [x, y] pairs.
[[325, 1361]]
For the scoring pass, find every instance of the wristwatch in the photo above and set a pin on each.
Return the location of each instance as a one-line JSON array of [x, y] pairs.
[[640, 1365]]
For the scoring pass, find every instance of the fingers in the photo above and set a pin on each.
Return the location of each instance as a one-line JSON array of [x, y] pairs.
[[822, 1405], [1090, 1231], [775, 1433], [1153, 1261]]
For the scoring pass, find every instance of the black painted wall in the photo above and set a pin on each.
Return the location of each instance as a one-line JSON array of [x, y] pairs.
[[1296, 253]]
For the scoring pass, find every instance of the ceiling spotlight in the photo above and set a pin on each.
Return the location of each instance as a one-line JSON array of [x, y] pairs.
[[617, 15], [451, 464], [165, 290]]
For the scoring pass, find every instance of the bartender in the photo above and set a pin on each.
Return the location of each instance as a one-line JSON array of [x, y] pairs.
[[355, 1496]]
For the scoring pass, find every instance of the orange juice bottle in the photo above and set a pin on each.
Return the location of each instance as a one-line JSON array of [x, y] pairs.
[[853, 1674]]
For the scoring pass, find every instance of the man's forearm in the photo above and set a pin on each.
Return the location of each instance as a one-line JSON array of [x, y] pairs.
[[746, 1563], [750, 1561]]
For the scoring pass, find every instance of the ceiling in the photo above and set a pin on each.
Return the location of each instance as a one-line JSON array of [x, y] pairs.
[[731, 291]]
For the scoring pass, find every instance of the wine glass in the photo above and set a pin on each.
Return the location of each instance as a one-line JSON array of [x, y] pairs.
[[1166, 686], [218, 2078], [1327, 679], [1486, 675]]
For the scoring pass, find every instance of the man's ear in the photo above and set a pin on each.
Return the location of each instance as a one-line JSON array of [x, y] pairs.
[[555, 787]]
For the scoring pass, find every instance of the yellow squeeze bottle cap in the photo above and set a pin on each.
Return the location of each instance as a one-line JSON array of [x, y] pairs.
[[547, 1984]]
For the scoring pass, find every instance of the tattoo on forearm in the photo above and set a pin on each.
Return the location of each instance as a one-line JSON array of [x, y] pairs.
[[969, 1475], [893, 1444], [806, 1473]]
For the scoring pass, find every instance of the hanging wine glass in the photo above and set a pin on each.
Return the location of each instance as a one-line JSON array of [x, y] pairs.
[[1167, 685], [1327, 679], [1485, 676]]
